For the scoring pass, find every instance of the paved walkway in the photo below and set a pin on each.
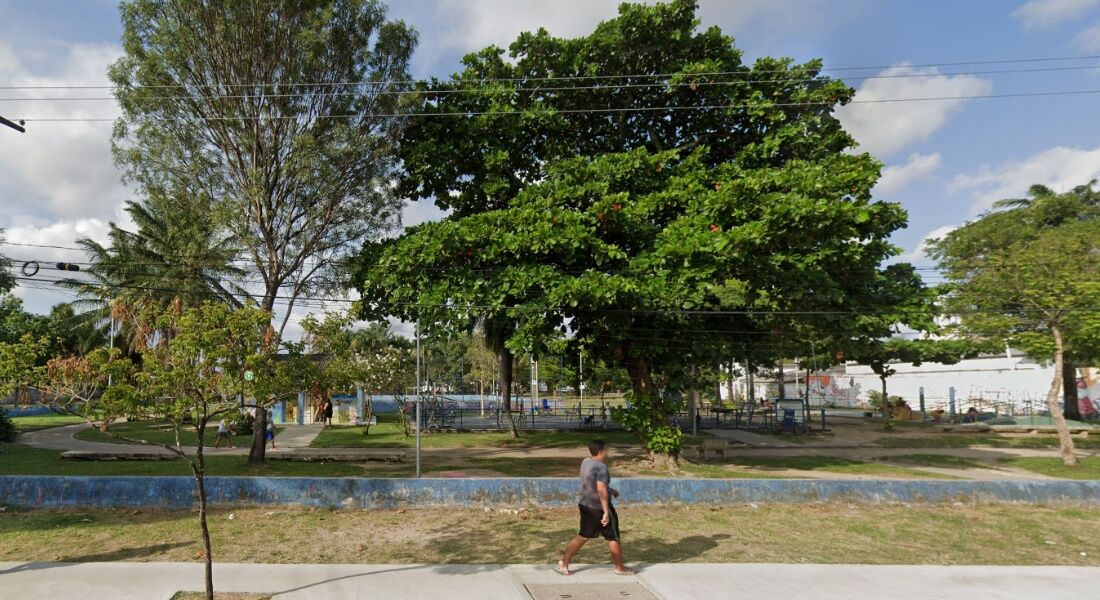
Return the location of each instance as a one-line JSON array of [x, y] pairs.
[[686, 581], [291, 438]]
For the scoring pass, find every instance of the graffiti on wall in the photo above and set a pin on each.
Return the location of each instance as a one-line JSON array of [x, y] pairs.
[[833, 390], [1088, 392]]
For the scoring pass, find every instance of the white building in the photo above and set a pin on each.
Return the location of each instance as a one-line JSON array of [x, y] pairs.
[[1007, 383]]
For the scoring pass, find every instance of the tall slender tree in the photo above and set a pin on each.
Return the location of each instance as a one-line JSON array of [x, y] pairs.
[[284, 115]]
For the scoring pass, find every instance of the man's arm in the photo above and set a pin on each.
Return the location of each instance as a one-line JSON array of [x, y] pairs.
[[605, 503]]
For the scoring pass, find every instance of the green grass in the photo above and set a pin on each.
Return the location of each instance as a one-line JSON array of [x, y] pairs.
[[1087, 468], [962, 440], [37, 422], [937, 460], [16, 459], [388, 433], [830, 464], [940, 534], [707, 471], [151, 432], [528, 467]]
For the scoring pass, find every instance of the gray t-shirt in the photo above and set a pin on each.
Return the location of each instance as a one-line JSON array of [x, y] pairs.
[[592, 471]]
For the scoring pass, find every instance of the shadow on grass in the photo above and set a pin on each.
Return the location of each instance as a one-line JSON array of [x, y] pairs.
[[122, 554]]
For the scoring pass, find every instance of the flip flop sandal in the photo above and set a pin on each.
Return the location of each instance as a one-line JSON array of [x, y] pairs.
[[626, 573]]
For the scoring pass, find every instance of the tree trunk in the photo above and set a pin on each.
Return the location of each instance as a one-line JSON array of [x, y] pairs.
[[257, 454], [641, 377], [1069, 391], [693, 411], [504, 358], [1069, 455], [729, 386], [782, 383], [886, 412], [198, 469]]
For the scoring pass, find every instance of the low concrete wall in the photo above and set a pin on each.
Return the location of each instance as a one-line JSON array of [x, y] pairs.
[[179, 492]]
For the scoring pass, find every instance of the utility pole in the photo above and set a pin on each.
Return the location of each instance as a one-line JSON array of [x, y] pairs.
[[16, 126], [418, 394]]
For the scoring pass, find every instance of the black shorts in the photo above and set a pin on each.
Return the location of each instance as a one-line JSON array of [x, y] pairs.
[[591, 526]]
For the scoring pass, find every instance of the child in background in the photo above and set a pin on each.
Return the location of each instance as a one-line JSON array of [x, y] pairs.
[[271, 433]]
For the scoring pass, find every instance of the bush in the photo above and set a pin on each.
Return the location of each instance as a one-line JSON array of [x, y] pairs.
[[648, 416], [240, 422], [874, 398], [7, 428]]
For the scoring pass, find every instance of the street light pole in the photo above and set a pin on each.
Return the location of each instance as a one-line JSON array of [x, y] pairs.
[[418, 398]]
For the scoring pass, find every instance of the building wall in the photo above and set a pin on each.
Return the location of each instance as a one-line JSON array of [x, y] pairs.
[[1006, 383], [1001, 383]]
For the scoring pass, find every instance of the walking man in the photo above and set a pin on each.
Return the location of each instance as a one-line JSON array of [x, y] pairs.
[[598, 516]]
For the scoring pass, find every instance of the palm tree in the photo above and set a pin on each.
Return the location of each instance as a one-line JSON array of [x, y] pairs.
[[176, 256]]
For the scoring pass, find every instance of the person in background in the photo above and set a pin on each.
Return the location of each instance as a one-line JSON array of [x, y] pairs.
[[598, 517], [328, 412], [224, 433], [270, 434]]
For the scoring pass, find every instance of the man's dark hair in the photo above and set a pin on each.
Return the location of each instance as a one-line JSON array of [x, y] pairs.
[[596, 446]]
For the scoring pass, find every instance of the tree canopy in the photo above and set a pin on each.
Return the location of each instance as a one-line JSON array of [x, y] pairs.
[[1027, 276], [281, 117], [663, 205]]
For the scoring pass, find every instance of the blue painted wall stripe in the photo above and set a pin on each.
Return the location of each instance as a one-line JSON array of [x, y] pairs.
[[179, 492]]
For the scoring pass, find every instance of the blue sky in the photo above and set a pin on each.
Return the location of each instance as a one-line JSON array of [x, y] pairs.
[[945, 161]]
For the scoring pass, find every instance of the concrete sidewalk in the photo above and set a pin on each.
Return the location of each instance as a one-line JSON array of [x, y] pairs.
[[690, 581]]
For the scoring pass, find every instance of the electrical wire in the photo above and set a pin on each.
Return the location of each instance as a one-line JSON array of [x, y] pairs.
[[412, 82], [615, 110], [603, 87]]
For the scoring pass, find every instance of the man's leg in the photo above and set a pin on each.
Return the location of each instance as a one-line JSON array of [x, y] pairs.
[[571, 550], [616, 548]]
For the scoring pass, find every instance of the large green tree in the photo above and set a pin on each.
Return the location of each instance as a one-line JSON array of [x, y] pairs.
[[1043, 208], [1031, 287], [644, 192], [282, 116]]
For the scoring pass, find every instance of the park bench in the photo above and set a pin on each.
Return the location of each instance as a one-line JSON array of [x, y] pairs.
[[714, 445], [357, 455], [121, 455]]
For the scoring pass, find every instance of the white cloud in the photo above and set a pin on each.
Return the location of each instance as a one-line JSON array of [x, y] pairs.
[[1044, 13], [1088, 40], [474, 24], [883, 128], [38, 293], [422, 211], [1058, 168], [896, 177], [58, 170], [920, 253]]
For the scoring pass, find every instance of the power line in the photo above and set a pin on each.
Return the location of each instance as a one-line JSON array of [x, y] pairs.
[[576, 77], [570, 309], [602, 87], [593, 110]]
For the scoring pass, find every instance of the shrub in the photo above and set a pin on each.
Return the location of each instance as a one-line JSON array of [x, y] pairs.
[[648, 415], [7, 428]]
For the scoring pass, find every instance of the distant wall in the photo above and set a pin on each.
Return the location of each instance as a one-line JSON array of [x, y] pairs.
[[178, 492]]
